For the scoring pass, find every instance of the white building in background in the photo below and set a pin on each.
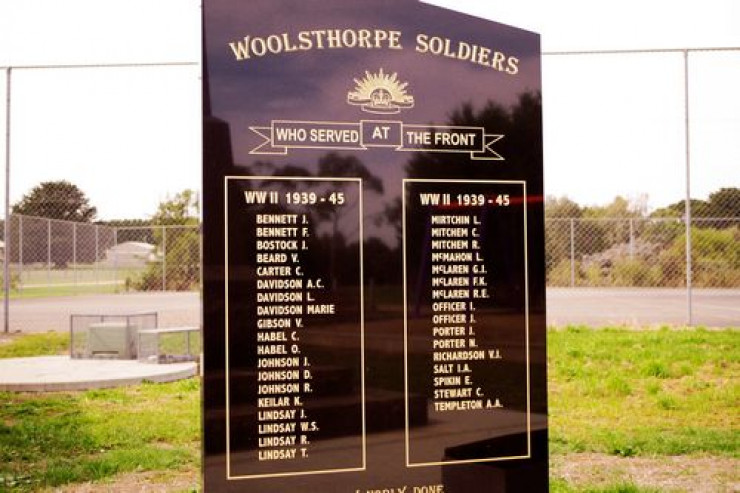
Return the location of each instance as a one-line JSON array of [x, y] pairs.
[[131, 254]]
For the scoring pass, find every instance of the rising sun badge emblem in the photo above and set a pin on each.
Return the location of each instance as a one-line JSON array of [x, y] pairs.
[[380, 93]]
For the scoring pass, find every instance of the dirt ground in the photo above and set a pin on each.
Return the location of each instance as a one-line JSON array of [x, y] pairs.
[[143, 482], [680, 473], [670, 474]]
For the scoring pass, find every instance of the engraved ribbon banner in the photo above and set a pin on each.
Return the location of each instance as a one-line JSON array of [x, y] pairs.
[[282, 135]]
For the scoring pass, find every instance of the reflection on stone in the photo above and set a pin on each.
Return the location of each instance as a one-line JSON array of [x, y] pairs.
[[373, 253]]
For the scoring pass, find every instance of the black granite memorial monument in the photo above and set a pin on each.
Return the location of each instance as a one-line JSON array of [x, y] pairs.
[[374, 299]]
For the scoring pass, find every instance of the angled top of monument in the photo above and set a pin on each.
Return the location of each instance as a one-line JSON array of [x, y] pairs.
[[373, 249]]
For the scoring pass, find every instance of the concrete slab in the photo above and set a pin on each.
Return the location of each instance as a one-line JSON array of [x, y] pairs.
[[61, 373]]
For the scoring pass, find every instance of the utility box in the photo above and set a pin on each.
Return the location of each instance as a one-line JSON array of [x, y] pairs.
[[111, 340], [108, 336], [170, 345]]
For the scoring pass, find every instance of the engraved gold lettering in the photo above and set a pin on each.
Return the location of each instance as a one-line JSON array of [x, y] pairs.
[[498, 61], [461, 50], [305, 41], [256, 47], [394, 40], [512, 66], [251, 47]]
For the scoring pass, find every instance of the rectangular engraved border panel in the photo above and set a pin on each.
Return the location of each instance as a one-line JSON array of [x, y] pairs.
[[363, 466], [406, 328]]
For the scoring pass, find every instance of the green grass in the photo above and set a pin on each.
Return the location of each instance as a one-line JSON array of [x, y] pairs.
[[74, 280], [630, 393], [81, 273], [560, 486], [48, 344], [177, 343], [55, 439], [53, 291], [612, 391]]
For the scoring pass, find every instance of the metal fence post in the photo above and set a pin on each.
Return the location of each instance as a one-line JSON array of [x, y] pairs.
[[48, 251], [20, 252], [632, 239], [115, 256], [689, 263], [6, 226], [572, 253], [164, 258], [97, 253], [74, 253]]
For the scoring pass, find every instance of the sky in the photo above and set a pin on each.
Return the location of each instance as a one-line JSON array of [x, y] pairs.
[[613, 124]]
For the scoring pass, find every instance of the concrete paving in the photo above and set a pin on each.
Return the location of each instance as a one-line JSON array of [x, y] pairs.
[[641, 307], [588, 306], [61, 373], [596, 307], [174, 309]]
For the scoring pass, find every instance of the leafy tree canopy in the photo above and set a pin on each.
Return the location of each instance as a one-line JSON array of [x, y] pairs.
[[562, 207], [333, 164], [620, 207], [723, 203], [182, 209], [56, 200]]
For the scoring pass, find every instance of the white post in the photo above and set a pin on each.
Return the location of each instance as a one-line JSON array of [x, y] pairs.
[[6, 263], [689, 263], [97, 254], [164, 258], [48, 251], [20, 252], [74, 252], [572, 253], [115, 256]]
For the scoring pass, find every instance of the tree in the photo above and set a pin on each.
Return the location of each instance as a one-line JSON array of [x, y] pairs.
[[336, 165], [51, 241], [56, 200], [333, 165], [619, 208], [719, 211], [178, 247], [131, 230], [725, 203], [699, 208], [521, 124], [180, 210], [560, 213], [562, 207]]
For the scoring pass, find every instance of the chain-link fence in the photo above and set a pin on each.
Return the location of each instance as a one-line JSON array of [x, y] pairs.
[[52, 257], [667, 109], [48, 257], [644, 253], [586, 260]]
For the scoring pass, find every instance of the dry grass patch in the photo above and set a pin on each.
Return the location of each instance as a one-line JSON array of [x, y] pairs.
[[670, 474], [187, 480]]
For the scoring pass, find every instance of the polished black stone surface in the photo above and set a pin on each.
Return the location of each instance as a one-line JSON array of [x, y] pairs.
[[374, 313]]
